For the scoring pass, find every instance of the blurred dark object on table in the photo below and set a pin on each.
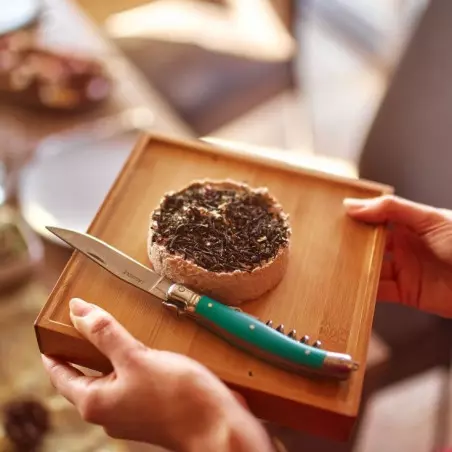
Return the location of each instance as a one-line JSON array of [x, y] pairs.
[[25, 386], [26, 423], [210, 86]]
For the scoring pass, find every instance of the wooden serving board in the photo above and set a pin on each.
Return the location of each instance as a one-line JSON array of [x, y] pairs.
[[328, 292]]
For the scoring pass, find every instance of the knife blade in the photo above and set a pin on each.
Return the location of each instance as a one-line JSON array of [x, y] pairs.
[[114, 261], [232, 324]]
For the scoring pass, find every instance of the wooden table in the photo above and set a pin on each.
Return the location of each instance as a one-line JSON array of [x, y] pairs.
[[65, 27]]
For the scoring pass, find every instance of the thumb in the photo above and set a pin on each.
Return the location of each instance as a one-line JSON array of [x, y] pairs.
[[103, 331], [417, 217]]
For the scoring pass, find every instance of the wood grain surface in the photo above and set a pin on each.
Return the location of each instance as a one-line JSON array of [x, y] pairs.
[[328, 291]]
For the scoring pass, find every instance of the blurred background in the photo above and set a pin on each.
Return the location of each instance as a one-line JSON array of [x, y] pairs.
[[352, 87]]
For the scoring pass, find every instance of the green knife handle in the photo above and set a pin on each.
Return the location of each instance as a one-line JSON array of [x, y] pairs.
[[249, 334]]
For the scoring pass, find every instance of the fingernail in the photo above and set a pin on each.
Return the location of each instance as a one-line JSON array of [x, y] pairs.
[[80, 308], [355, 203]]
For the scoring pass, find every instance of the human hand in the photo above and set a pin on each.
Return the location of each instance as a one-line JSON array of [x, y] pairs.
[[418, 268], [153, 396]]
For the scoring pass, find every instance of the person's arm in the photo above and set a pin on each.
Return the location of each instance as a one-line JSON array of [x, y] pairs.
[[154, 396]]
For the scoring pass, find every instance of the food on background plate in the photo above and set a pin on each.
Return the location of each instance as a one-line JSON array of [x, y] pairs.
[[40, 78], [223, 239], [26, 423]]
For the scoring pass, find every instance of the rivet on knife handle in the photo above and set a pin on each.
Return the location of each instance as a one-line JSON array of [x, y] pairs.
[[248, 333]]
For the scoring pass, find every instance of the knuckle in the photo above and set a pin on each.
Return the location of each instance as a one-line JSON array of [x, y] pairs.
[[134, 355], [56, 371], [141, 348], [91, 408], [102, 325], [58, 375]]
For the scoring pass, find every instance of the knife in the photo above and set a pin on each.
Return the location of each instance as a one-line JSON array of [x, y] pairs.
[[238, 328]]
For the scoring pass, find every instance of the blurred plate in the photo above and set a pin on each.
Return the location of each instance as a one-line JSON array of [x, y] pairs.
[[65, 188], [18, 13]]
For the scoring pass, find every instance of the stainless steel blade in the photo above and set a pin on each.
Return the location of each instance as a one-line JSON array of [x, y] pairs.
[[115, 261]]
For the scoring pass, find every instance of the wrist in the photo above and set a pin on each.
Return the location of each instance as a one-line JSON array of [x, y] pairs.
[[236, 430]]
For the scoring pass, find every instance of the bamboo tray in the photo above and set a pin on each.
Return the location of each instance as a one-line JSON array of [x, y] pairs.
[[327, 293]]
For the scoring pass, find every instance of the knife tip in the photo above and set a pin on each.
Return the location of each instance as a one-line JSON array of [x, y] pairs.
[[54, 230]]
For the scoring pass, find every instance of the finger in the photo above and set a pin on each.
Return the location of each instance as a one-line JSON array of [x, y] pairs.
[[418, 217], [69, 382], [387, 271], [103, 331], [388, 292]]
